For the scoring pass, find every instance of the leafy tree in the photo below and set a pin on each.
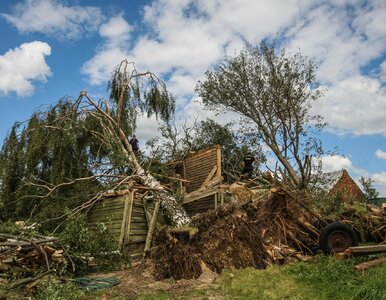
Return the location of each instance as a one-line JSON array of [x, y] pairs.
[[274, 93], [368, 187], [75, 150], [176, 142], [11, 173], [234, 146]]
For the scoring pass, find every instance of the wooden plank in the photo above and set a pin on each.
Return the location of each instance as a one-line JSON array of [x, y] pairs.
[[105, 216], [210, 175], [190, 198], [138, 231], [116, 225], [137, 238], [124, 221], [139, 226], [153, 222], [218, 156], [221, 194], [108, 211], [126, 218]]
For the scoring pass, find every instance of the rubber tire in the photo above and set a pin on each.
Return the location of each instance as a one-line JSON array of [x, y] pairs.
[[332, 228]]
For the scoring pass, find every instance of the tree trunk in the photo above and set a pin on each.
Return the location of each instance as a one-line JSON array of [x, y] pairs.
[[170, 207]]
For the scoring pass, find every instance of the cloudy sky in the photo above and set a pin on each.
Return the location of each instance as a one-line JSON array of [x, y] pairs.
[[51, 48]]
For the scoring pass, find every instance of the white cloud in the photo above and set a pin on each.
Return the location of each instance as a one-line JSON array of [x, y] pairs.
[[380, 154], [54, 18], [355, 105], [116, 34], [21, 66], [383, 71], [333, 163], [379, 178], [116, 30], [185, 38]]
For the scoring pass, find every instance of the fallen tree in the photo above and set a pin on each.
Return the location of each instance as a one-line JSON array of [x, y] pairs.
[[69, 155]]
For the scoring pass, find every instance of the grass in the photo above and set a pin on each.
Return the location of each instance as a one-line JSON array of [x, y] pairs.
[[324, 278]]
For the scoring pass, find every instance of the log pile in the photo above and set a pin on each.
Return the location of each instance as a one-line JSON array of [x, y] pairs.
[[21, 257], [273, 230]]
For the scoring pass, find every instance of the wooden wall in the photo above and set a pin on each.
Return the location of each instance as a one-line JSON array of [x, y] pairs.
[[198, 166], [126, 217], [110, 212]]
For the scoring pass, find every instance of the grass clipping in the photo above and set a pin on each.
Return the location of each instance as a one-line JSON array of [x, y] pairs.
[[275, 229]]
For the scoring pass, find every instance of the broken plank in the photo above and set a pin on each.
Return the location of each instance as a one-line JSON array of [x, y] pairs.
[[210, 175]]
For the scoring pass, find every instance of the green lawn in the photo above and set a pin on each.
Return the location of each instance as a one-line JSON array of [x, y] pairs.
[[322, 278]]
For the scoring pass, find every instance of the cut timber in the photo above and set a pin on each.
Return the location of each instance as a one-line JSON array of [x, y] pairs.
[[365, 250], [361, 250], [368, 264]]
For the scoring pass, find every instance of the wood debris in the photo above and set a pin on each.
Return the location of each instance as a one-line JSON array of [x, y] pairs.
[[21, 258]]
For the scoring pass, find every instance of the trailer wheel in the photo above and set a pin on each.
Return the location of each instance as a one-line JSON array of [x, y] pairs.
[[337, 237]]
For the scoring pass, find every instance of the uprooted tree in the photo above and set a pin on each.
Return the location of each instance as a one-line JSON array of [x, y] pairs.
[[274, 93], [68, 155]]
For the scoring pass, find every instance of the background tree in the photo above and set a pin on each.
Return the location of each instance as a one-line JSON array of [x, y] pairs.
[[274, 93], [371, 193], [175, 142]]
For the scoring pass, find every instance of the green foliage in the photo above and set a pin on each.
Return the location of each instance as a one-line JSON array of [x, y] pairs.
[[336, 279], [368, 187], [274, 93], [175, 143], [77, 237], [132, 92], [11, 173], [82, 242], [55, 291], [10, 227], [41, 162], [234, 146], [329, 206]]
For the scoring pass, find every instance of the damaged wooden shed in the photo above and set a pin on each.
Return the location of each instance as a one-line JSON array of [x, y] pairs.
[[128, 214], [203, 189]]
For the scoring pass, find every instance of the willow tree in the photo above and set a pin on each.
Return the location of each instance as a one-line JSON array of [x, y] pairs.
[[131, 93], [68, 155], [274, 93]]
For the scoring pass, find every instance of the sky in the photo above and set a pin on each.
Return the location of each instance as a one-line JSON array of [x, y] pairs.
[[51, 49]]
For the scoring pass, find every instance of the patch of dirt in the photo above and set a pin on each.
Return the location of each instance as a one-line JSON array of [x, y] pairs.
[[139, 279]]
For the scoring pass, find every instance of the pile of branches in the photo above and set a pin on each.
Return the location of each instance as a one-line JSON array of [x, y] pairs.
[[255, 234], [370, 225], [23, 260]]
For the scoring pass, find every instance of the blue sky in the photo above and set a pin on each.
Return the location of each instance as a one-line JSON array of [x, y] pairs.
[[51, 49]]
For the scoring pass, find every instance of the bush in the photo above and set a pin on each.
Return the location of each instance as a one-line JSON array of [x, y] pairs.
[[78, 238], [56, 291], [82, 243]]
